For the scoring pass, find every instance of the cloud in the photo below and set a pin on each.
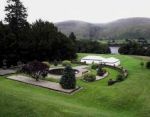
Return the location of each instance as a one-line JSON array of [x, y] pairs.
[[86, 10]]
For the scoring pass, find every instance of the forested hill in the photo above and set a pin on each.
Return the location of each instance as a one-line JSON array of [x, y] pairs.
[[124, 28]]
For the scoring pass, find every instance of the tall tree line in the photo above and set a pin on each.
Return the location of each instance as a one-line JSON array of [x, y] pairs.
[[134, 48], [90, 46], [41, 40], [21, 41]]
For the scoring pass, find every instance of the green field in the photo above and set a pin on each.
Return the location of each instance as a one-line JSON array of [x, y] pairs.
[[130, 98]]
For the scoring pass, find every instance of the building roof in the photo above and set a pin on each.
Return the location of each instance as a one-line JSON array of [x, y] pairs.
[[111, 60], [99, 58], [93, 58]]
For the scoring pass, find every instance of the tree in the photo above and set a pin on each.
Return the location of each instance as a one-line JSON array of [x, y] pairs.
[[147, 53], [88, 46], [36, 69], [100, 70], [142, 41], [18, 35], [68, 80], [148, 65], [120, 78], [7, 44], [132, 48], [72, 37], [16, 15], [48, 43], [21, 41]]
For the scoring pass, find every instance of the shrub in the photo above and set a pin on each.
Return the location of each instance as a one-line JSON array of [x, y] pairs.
[[78, 62], [142, 64], [55, 62], [111, 82], [148, 65], [47, 63], [44, 73], [94, 66], [68, 80], [36, 76], [36, 69], [120, 78], [100, 71], [66, 63], [89, 77]]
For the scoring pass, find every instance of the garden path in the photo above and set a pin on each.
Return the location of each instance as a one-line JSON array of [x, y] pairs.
[[7, 72], [41, 83]]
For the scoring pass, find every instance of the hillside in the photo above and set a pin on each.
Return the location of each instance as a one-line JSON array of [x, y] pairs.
[[123, 28]]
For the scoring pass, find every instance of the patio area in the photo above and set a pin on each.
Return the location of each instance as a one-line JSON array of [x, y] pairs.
[[41, 83]]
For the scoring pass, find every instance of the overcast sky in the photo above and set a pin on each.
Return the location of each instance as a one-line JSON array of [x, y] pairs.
[[95, 11]]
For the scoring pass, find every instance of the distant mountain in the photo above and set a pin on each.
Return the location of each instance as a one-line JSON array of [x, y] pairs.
[[124, 28]]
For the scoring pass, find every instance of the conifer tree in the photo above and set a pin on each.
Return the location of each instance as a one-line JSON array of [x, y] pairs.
[[16, 15], [68, 80], [72, 37]]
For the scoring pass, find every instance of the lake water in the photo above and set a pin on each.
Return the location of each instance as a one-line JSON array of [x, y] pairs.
[[114, 50]]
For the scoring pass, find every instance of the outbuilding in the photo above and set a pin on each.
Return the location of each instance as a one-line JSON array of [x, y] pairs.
[[101, 60]]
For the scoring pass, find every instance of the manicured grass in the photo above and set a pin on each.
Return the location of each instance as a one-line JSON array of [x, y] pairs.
[[130, 98], [52, 79]]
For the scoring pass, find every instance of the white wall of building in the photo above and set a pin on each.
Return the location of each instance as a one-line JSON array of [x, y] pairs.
[[100, 60]]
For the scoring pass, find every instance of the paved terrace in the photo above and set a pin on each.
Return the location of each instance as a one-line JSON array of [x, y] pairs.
[[41, 83], [7, 72]]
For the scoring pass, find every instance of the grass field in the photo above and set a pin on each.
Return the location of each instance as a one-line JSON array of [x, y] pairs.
[[130, 98]]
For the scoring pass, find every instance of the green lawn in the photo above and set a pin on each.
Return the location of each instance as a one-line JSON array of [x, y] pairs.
[[130, 98]]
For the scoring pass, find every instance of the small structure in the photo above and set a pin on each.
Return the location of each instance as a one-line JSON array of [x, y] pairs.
[[92, 59], [101, 60]]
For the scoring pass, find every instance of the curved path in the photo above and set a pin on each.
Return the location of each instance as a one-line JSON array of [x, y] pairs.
[[82, 69]]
